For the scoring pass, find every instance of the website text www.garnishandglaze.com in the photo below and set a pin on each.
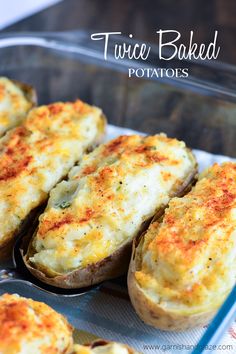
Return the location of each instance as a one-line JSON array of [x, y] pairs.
[[181, 347]]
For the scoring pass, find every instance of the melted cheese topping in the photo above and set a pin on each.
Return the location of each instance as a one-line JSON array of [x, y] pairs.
[[109, 348], [14, 105], [189, 259], [36, 155], [107, 198], [31, 327]]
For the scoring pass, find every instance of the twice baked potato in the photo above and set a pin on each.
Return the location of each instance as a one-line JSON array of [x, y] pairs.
[[85, 234], [103, 347], [32, 327], [38, 154], [16, 100], [183, 267]]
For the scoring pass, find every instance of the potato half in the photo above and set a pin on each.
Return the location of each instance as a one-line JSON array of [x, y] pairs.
[[101, 346], [37, 155], [183, 267], [85, 234], [28, 326], [16, 100]]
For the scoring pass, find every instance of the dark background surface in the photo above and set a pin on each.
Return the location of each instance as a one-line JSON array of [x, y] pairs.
[[143, 18], [203, 122]]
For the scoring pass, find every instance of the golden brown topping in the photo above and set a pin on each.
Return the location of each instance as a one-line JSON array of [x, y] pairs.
[[16, 155], [209, 202], [188, 251], [106, 199], [27, 324], [50, 225]]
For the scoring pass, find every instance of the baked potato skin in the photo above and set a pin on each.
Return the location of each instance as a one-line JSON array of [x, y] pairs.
[[153, 314], [163, 316], [110, 267], [6, 250], [101, 343], [29, 223]]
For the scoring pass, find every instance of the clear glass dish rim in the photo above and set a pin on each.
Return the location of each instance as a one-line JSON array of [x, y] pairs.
[[76, 42]]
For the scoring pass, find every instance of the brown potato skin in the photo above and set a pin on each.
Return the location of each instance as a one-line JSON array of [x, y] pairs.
[[110, 267], [103, 342], [152, 313], [29, 223]]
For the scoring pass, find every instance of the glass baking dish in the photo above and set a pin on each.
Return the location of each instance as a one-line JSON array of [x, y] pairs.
[[200, 110]]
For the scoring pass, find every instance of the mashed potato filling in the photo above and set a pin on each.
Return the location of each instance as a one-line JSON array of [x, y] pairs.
[[107, 198], [189, 258]]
